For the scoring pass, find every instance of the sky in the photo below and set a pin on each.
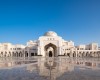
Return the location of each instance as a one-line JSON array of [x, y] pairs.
[[24, 20]]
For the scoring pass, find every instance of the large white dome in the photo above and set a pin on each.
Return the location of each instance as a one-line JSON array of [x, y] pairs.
[[50, 33]]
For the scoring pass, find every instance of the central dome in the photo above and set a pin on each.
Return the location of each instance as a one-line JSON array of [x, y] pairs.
[[50, 33]]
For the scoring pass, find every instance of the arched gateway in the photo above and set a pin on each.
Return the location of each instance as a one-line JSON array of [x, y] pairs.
[[50, 50]]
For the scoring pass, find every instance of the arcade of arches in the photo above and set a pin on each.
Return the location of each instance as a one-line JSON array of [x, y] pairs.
[[51, 51]]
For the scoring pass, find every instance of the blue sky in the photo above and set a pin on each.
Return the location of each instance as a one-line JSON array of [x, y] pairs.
[[24, 20]]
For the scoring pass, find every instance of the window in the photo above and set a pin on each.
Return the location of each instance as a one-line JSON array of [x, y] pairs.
[[18, 48]]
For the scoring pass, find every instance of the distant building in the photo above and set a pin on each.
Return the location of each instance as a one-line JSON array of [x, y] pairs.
[[49, 45]]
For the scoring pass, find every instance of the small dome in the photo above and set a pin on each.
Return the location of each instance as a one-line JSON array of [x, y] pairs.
[[50, 33]]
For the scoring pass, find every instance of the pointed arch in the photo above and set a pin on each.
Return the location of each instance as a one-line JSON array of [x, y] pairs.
[[50, 49]]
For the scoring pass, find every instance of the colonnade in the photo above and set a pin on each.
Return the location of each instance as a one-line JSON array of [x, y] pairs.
[[83, 54]]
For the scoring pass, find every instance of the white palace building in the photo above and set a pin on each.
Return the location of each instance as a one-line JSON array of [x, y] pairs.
[[49, 45]]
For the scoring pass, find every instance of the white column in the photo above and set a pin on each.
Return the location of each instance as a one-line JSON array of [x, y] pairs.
[[60, 50]]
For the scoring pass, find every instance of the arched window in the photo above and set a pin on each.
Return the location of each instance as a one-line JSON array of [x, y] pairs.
[[26, 54], [5, 54], [20, 54], [13, 54], [9, 54], [74, 54], [68, 54], [17, 54]]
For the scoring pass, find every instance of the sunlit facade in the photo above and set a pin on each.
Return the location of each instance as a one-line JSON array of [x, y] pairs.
[[49, 45]]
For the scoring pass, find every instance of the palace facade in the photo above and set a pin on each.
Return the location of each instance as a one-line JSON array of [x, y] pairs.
[[49, 45]]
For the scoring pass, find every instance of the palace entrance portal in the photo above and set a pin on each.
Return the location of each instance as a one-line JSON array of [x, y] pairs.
[[50, 50]]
